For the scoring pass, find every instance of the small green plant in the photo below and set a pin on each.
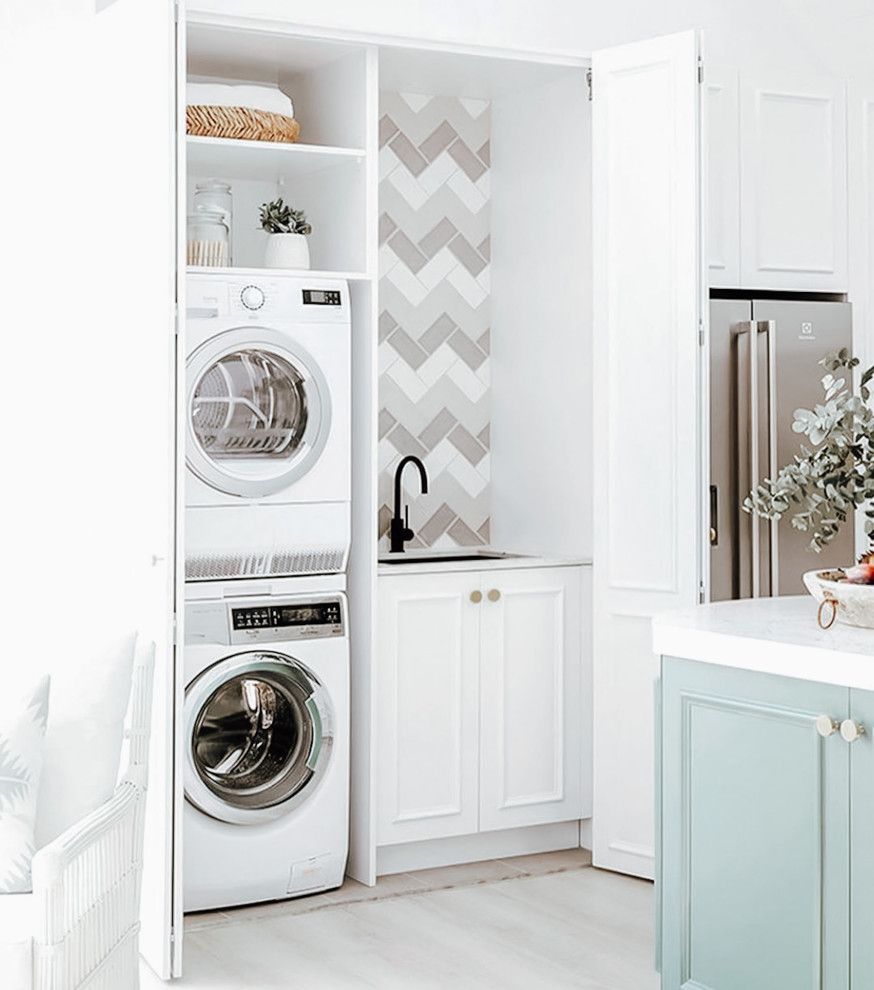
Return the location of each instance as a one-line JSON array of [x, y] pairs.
[[277, 218], [827, 481]]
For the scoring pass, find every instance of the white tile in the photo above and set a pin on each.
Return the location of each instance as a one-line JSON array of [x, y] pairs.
[[387, 260], [439, 459], [484, 372], [407, 380], [467, 287], [415, 101], [467, 476], [386, 357], [437, 365], [386, 452], [438, 172], [388, 161], [437, 269], [484, 279], [467, 381], [408, 187], [407, 284], [484, 184], [466, 191], [474, 107]]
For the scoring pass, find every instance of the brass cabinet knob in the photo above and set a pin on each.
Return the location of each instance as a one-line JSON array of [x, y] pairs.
[[851, 730], [476, 597], [826, 725], [494, 595]]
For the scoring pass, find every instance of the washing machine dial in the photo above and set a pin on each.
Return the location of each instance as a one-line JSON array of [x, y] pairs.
[[252, 297]]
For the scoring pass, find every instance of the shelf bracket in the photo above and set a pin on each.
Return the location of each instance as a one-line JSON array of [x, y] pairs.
[[589, 83]]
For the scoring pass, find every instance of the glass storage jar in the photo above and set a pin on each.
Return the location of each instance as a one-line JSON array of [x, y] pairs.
[[208, 240], [214, 196]]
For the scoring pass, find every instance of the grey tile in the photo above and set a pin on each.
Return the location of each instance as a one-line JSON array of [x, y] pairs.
[[393, 885], [405, 443], [466, 349], [437, 429], [383, 520], [408, 349], [387, 129], [467, 254], [438, 237], [466, 160], [441, 137], [485, 153], [485, 248], [437, 333], [387, 227], [463, 535], [387, 323], [485, 435], [386, 422], [484, 341], [400, 144], [436, 526], [485, 531], [465, 874], [409, 254], [468, 445]]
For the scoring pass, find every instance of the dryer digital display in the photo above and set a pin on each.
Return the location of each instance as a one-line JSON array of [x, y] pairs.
[[280, 616], [322, 297]]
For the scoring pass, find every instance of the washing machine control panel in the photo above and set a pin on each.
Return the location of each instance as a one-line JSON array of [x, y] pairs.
[[282, 621]]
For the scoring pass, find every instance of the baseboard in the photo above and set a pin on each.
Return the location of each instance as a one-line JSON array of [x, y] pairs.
[[409, 856], [586, 834]]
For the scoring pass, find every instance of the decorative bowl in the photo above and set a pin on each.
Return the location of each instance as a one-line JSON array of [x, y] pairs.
[[852, 604]]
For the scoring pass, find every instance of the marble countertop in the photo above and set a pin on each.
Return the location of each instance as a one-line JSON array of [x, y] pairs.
[[771, 635], [413, 563]]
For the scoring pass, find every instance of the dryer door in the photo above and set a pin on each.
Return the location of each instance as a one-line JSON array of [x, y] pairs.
[[259, 733], [259, 412]]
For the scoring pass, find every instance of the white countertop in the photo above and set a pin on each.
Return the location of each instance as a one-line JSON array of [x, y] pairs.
[[771, 635], [411, 565]]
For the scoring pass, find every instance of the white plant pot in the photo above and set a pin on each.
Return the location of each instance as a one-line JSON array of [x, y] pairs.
[[287, 251]]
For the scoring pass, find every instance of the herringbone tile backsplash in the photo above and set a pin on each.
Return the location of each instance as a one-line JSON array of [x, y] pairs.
[[434, 313]]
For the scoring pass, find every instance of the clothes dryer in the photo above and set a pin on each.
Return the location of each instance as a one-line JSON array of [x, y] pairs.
[[266, 747], [267, 407]]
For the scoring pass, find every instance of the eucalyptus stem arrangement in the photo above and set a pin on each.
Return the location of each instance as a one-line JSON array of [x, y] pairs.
[[826, 481], [277, 218]]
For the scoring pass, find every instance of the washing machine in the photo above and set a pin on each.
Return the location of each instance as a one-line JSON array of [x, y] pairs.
[[266, 745], [268, 434]]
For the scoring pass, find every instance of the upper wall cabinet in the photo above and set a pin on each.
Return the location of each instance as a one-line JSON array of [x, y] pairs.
[[778, 182], [324, 173]]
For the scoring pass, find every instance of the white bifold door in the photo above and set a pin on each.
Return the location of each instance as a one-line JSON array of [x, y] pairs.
[[648, 429], [88, 205]]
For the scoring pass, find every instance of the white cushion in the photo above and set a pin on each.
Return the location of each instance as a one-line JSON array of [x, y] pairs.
[[16, 941], [23, 713], [83, 740]]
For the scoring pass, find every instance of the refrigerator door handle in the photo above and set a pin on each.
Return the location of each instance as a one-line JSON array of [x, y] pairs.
[[769, 328]]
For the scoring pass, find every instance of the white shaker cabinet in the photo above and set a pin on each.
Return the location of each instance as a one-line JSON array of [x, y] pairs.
[[777, 174], [478, 702]]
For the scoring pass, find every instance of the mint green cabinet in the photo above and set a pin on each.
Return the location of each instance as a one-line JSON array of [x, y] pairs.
[[766, 832]]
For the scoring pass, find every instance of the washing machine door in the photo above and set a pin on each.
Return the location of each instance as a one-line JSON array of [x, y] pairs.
[[259, 735], [259, 412]]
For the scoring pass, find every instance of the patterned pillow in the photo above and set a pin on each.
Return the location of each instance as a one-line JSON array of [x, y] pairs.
[[23, 715]]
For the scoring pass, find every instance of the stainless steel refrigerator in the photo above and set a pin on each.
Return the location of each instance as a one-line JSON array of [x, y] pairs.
[[753, 396]]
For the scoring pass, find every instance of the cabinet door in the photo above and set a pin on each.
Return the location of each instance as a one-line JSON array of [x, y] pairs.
[[793, 182], [755, 833], [426, 706], [530, 726], [862, 846], [648, 490], [723, 176]]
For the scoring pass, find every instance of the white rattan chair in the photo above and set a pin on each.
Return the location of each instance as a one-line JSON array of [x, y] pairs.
[[84, 909]]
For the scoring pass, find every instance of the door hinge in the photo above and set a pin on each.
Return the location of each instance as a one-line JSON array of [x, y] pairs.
[[701, 593], [176, 318], [172, 934], [700, 69], [589, 83], [701, 333]]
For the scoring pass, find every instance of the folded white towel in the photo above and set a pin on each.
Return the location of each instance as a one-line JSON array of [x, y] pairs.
[[249, 95]]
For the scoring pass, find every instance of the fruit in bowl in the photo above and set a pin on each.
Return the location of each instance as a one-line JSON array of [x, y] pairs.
[[863, 572]]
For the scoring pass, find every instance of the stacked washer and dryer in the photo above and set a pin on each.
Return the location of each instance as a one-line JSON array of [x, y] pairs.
[[267, 534]]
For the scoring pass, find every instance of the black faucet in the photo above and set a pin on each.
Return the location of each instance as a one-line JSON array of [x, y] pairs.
[[399, 531]]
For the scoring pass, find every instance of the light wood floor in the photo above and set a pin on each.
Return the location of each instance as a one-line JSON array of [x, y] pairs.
[[547, 922]]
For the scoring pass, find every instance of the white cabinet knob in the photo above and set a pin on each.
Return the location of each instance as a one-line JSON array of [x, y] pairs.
[[826, 725], [851, 730]]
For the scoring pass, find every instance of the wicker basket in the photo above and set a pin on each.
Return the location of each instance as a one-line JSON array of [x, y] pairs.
[[240, 123]]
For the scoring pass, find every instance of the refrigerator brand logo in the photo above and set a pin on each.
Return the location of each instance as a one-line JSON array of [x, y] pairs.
[[807, 332]]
